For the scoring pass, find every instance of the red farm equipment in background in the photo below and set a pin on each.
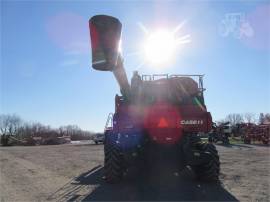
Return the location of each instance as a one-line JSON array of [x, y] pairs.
[[252, 133]]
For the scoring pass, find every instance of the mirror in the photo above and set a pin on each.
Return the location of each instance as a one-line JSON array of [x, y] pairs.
[[105, 33]]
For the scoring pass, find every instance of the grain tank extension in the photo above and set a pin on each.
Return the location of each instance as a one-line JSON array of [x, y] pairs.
[[155, 113]]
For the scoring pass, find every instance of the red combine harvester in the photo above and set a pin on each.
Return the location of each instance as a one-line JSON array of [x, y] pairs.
[[156, 115]]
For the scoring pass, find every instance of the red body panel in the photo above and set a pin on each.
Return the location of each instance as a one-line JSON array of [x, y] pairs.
[[164, 122]]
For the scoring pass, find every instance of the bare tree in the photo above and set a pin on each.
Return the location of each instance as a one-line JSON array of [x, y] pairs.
[[37, 129], [234, 119], [12, 125], [9, 124], [32, 129], [267, 117], [264, 118], [249, 117], [69, 130], [261, 118], [75, 132]]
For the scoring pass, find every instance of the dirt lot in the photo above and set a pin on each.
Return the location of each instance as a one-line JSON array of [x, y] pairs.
[[74, 172]]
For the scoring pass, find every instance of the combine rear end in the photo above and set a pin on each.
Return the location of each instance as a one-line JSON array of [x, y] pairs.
[[155, 111]]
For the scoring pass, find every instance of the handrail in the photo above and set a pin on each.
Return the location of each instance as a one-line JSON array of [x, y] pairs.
[[180, 75], [145, 76], [160, 75], [149, 77]]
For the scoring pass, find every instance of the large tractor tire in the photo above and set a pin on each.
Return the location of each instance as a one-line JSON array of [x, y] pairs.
[[114, 163], [208, 171]]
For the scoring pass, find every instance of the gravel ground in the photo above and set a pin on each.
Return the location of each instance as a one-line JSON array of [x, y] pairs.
[[74, 173]]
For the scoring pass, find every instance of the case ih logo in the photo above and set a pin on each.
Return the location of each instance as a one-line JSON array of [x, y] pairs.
[[191, 122]]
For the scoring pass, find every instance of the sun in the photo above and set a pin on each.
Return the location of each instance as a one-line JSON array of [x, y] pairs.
[[159, 47]]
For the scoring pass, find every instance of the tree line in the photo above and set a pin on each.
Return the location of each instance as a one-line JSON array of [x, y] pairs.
[[237, 118], [12, 125]]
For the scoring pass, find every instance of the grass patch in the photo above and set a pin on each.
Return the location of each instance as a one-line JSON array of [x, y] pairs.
[[233, 140], [236, 140]]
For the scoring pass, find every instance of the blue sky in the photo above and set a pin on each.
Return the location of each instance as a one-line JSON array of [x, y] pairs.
[[46, 72]]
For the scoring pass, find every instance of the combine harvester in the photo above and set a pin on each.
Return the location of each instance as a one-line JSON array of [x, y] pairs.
[[157, 116]]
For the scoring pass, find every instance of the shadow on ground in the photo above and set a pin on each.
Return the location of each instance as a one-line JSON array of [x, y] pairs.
[[236, 146], [90, 186]]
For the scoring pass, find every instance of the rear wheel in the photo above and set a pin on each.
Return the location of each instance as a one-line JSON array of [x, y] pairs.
[[113, 163], [208, 171]]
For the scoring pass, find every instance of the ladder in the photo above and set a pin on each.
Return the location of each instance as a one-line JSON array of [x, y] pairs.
[[109, 122]]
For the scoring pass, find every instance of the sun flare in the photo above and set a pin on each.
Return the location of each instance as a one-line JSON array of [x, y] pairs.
[[160, 46]]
